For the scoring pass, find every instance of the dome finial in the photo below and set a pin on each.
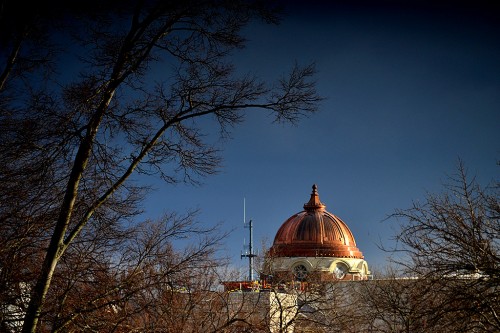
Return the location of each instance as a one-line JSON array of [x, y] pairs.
[[314, 202]]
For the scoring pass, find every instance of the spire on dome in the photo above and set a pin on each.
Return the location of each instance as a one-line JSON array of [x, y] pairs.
[[314, 203]]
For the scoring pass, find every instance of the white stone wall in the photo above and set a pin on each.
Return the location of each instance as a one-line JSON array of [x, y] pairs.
[[276, 310]]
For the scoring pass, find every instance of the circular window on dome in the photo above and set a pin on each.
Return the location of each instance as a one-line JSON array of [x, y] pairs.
[[300, 272], [340, 271]]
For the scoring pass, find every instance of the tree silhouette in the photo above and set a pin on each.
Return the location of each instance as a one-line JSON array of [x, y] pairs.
[[119, 89], [452, 240]]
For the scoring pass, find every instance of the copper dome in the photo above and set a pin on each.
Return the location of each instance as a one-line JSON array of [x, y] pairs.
[[314, 232]]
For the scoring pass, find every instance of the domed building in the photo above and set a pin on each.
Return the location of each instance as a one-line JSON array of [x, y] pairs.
[[315, 245]]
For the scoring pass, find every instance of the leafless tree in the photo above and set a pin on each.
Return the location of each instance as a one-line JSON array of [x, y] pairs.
[[124, 93], [123, 280], [452, 241], [394, 302]]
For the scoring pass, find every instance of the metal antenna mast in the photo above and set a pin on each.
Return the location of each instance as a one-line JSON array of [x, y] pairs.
[[249, 252]]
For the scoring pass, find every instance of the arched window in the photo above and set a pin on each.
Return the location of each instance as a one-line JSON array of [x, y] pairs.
[[300, 272], [340, 271]]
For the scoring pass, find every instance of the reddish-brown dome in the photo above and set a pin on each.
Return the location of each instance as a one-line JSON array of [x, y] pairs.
[[315, 232]]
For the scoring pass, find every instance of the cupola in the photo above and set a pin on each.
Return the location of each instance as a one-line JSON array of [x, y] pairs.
[[315, 232]]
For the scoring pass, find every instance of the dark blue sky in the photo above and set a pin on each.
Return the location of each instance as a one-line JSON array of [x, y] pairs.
[[409, 89]]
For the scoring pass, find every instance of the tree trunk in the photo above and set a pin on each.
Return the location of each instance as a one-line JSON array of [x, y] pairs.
[[56, 247]]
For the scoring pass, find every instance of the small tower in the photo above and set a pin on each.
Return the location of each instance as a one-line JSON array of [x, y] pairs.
[[249, 250]]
